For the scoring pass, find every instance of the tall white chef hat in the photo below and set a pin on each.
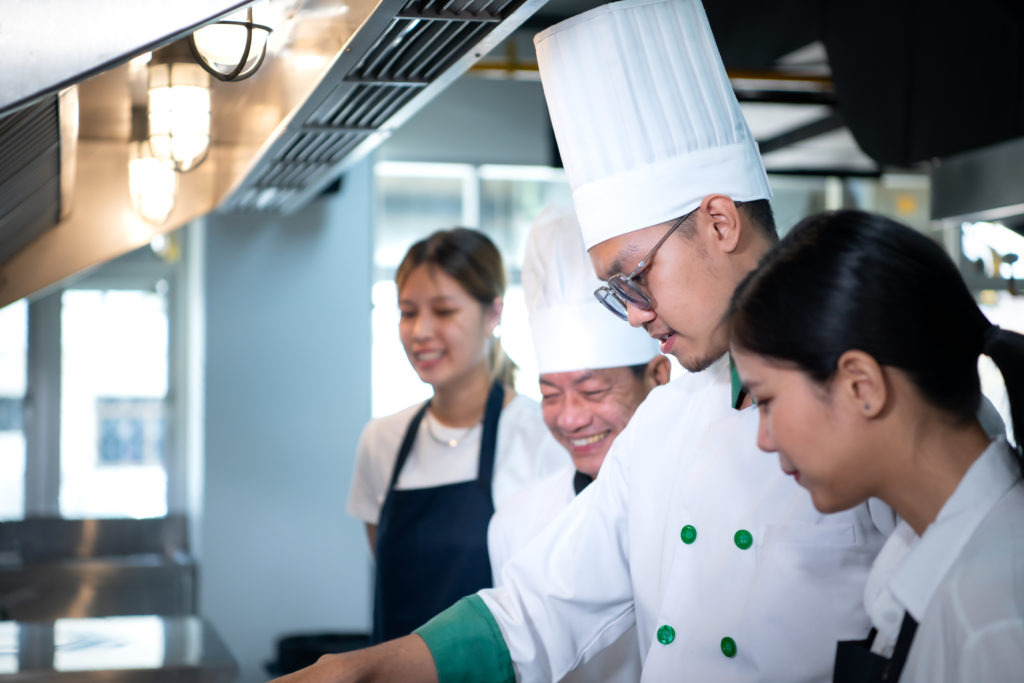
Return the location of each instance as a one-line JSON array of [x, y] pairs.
[[571, 329], [645, 118]]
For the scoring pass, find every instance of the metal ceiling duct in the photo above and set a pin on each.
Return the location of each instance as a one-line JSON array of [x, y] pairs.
[[984, 184], [37, 150], [405, 54], [346, 75]]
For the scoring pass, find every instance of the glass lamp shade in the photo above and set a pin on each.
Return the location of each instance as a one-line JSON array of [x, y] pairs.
[[152, 184], [233, 48], [179, 114]]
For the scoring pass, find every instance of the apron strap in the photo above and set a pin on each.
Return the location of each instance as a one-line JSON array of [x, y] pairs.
[[407, 441], [899, 654], [489, 438]]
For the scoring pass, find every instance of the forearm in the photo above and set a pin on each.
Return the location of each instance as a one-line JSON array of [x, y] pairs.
[[404, 659]]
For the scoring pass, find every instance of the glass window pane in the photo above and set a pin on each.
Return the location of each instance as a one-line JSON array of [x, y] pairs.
[[509, 205], [13, 359], [410, 207], [114, 374]]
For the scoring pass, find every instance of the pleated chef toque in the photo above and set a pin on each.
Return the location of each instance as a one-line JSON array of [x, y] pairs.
[[571, 329], [645, 118]]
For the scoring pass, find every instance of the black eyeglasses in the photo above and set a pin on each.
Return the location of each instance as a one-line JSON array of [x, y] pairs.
[[620, 290]]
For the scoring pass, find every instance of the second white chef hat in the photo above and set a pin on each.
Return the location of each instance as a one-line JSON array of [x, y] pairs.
[[571, 329]]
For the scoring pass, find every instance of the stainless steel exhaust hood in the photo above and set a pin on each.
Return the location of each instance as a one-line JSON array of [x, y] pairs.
[[984, 184], [342, 76]]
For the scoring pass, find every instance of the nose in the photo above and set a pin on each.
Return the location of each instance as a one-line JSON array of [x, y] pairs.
[[574, 414], [422, 327], [764, 437], [638, 316]]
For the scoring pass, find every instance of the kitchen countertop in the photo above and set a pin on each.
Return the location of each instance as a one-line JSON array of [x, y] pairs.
[[123, 649]]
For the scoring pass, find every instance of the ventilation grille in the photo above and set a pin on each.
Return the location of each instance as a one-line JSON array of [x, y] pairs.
[[416, 45], [29, 175]]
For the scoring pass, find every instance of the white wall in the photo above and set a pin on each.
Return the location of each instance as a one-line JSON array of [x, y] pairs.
[[287, 393]]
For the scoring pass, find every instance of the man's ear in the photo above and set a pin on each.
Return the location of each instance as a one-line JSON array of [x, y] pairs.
[[860, 382], [722, 226], [658, 371]]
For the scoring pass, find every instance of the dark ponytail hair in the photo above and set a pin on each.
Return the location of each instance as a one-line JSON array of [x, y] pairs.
[[471, 259], [852, 280]]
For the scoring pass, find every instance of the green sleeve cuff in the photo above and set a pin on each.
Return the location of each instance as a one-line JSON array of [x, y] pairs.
[[467, 645]]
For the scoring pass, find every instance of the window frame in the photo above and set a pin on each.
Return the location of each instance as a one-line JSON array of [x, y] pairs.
[[42, 403]]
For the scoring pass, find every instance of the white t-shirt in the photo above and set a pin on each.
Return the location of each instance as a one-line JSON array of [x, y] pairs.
[[525, 451], [963, 581]]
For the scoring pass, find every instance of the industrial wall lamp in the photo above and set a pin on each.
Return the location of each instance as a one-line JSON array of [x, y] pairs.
[[179, 108], [152, 184], [233, 48]]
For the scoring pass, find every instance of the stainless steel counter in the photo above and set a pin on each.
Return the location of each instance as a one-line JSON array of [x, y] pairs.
[[122, 649], [53, 568]]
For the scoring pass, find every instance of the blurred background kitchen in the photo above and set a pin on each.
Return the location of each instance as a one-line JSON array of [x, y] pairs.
[[196, 274]]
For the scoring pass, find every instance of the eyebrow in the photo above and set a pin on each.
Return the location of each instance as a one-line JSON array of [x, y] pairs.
[[614, 269], [628, 251], [437, 299]]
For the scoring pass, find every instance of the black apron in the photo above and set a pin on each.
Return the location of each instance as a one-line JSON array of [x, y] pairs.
[[856, 663], [432, 542]]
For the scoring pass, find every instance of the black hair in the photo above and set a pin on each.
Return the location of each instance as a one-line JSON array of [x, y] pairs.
[[638, 370], [853, 280], [758, 212]]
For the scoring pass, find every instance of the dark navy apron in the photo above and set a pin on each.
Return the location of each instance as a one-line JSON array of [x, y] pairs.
[[856, 663], [432, 542]]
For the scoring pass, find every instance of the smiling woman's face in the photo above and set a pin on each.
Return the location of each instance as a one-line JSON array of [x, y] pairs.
[[818, 441], [443, 329]]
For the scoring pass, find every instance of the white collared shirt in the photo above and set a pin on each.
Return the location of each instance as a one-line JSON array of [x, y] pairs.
[[963, 580]]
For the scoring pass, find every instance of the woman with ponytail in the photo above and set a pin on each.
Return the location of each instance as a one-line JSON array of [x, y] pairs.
[[427, 478], [859, 341]]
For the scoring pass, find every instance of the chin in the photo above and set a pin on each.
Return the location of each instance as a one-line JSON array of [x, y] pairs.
[[827, 506], [697, 360], [589, 464], [695, 363]]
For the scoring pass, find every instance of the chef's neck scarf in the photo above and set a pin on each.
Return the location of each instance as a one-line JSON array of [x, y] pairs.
[[581, 481], [738, 392]]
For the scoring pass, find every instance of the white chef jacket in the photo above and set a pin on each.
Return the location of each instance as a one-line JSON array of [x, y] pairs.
[[525, 451], [521, 518], [963, 581], [717, 608]]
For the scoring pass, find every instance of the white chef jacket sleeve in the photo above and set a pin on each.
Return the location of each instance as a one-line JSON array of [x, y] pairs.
[[498, 543], [567, 594], [366, 496]]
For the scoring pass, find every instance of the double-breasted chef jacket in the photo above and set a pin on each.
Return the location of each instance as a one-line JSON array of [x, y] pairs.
[[695, 536], [521, 518]]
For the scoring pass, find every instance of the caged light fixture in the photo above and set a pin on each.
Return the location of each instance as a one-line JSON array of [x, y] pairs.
[[152, 184], [233, 48], [179, 108]]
